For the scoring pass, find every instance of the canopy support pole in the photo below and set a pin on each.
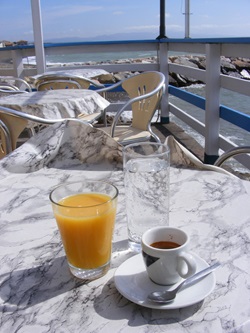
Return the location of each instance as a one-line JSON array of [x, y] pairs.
[[38, 36], [162, 20]]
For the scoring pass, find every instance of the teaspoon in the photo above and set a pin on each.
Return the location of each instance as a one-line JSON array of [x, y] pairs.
[[169, 295]]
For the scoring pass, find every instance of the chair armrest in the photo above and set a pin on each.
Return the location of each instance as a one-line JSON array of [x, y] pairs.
[[111, 87], [12, 92], [37, 119], [11, 78], [231, 153]]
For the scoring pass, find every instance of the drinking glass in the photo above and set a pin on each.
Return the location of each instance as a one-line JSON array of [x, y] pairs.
[[85, 214], [146, 177]]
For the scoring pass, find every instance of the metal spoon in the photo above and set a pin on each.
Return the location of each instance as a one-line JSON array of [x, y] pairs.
[[169, 295]]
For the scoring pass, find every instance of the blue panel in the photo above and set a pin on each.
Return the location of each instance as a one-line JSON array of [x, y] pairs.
[[191, 98], [117, 89], [234, 40], [235, 117]]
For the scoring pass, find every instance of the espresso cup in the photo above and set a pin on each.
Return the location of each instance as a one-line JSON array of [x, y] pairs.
[[165, 254]]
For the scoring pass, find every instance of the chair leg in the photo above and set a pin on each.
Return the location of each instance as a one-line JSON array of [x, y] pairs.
[[104, 118], [156, 138], [6, 142]]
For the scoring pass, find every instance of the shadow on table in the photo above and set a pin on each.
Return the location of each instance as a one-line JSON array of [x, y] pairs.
[[110, 304], [26, 288]]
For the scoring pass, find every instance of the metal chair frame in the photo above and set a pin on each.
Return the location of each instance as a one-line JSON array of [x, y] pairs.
[[139, 97], [58, 84], [84, 83], [11, 88], [10, 138], [232, 153]]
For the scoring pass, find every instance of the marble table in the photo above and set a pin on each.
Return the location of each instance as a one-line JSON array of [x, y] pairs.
[[63, 103], [89, 73], [37, 292]]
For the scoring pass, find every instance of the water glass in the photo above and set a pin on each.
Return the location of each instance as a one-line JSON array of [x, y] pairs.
[[85, 214], [146, 177]]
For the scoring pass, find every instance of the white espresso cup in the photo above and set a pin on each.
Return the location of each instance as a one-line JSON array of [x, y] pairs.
[[165, 254]]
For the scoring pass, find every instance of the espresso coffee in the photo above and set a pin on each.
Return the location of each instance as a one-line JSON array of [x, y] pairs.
[[165, 245]]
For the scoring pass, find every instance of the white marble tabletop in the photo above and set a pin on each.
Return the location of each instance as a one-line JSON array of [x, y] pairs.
[[37, 292], [89, 73], [62, 103]]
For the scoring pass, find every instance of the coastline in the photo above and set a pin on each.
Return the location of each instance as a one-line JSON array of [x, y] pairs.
[[235, 67]]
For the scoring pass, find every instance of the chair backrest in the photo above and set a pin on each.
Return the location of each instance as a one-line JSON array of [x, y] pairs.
[[11, 127], [58, 84], [151, 83], [83, 83]]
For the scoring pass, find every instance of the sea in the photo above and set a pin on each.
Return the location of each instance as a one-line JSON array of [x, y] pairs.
[[228, 98]]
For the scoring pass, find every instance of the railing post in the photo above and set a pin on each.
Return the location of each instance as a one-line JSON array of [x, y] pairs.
[[212, 115], [17, 63], [163, 61]]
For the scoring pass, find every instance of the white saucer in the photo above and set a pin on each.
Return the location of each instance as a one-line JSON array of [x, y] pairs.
[[132, 282]]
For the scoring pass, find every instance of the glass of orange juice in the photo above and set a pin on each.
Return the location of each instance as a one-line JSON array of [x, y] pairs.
[[85, 214]]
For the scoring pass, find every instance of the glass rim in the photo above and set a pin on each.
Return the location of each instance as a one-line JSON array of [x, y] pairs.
[[156, 144], [129, 150], [87, 181]]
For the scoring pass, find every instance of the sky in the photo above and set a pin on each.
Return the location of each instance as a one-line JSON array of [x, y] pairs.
[[123, 19]]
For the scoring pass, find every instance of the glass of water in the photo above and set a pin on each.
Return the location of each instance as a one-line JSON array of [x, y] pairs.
[[146, 177]]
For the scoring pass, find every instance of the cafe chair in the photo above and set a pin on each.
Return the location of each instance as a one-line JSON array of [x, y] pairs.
[[64, 81], [13, 85], [232, 153], [58, 84], [145, 92], [12, 124]]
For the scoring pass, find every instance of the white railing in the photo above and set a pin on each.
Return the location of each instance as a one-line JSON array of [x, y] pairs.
[[18, 54], [214, 80], [213, 49]]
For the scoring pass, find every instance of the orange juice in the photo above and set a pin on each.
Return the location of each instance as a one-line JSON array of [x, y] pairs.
[[86, 223]]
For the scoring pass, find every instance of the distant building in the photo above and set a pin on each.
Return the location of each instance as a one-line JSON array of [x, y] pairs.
[[5, 43], [22, 42]]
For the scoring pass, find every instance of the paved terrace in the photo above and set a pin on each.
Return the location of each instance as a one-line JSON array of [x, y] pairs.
[[164, 130]]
